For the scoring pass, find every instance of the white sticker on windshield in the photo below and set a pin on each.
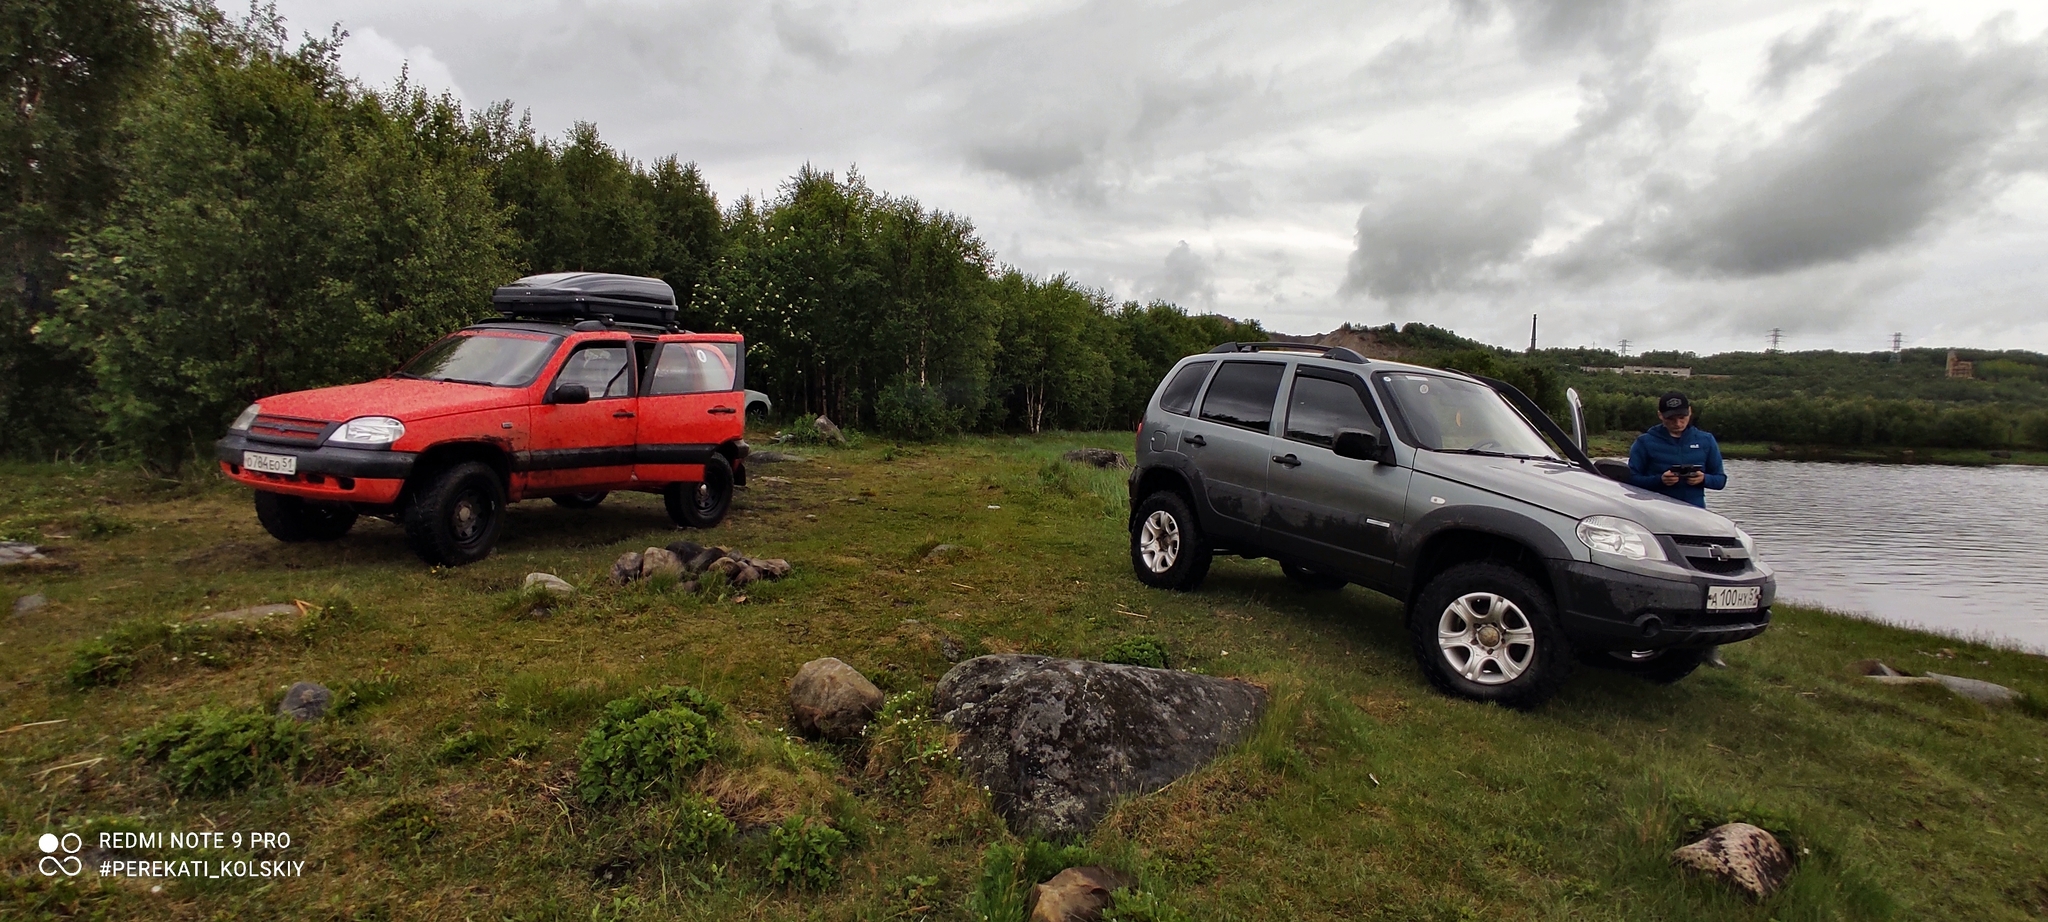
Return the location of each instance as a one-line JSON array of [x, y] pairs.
[[1423, 388]]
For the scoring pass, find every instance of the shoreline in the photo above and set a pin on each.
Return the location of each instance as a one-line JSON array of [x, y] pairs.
[[1615, 444]]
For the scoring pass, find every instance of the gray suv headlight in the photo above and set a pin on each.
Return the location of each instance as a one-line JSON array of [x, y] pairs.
[[368, 430], [1610, 534]]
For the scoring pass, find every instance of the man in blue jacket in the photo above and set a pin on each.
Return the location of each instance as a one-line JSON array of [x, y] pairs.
[[1658, 456]]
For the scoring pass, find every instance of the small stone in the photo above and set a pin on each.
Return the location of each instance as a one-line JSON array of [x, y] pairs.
[[945, 552], [29, 603], [1074, 895], [775, 457], [550, 584], [703, 559], [828, 430], [12, 552], [725, 565], [655, 561], [772, 568], [745, 575], [950, 648], [305, 701], [1744, 856], [1976, 690], [1098, 457], [626, 569], [831, 699], [685, 551], [687, 586], [255, 613]]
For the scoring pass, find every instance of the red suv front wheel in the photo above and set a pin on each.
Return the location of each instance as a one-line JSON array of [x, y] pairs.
[[455, 518]]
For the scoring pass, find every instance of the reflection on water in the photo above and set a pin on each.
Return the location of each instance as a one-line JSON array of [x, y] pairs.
[[1959, 550]]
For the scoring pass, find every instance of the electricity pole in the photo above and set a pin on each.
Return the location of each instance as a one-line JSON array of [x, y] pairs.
[[1897, 338], [1624, 348], [1532, 334], [1775, 335]]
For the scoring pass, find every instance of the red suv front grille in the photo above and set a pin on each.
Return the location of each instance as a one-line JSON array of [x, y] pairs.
[[289, 429]]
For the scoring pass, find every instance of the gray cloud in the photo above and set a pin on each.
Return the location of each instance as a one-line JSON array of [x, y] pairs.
[[1443, 234], [1789, 56], [1186, 278], [1547, 28], [1906, 140]]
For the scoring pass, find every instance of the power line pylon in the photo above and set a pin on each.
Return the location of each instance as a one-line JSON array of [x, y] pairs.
[[1776, 334], [1897, 340]]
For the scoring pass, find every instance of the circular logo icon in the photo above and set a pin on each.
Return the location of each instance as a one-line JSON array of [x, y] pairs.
[[51, 865]]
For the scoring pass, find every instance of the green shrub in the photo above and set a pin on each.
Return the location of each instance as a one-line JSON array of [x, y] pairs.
[[802, 853], [216, 751], [906, 748], [1137, 651], [694, 828], [355, 696], [646, 740], [464, 746], [97, 662], [914, 411], [113, 657], [99, 526]]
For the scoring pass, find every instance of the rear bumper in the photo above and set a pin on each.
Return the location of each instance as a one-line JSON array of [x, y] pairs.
[[347, 475], [1606, 608]]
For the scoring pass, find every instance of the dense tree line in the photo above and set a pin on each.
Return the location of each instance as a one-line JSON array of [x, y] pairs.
[[200, 211]]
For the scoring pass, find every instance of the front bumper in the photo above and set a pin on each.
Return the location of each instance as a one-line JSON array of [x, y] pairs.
[[326, 473], [1606, 608]]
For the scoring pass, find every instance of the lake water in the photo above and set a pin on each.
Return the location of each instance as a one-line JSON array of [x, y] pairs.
[[1959, 550]]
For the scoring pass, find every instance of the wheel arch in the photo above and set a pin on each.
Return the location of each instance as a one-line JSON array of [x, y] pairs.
[[1154, 479], [1449, 537], [441, 457]]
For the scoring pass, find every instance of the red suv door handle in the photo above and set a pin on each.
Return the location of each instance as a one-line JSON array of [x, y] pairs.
[[623, 414], [724, 410]]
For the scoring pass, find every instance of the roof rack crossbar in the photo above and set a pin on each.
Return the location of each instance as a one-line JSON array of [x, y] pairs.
[[1334, 353]]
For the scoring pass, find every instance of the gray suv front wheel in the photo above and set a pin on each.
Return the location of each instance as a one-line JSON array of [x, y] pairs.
[[1168, 550], [1487, 632]]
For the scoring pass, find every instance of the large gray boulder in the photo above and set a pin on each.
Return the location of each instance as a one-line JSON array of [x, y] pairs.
[[305, 701], [1057, 741]]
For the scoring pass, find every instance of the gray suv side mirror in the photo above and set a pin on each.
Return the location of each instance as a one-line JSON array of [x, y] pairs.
[[570, 393], [1360, 444]]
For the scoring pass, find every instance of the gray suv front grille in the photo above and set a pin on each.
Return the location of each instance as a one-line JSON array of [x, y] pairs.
[[1719, 556]]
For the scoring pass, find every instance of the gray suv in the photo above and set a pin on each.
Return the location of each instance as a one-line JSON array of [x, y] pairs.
[[1452, 492]]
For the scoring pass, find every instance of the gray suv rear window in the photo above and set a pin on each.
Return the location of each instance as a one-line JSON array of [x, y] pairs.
[[1318, 407], [1242, 395], [1179, 398]]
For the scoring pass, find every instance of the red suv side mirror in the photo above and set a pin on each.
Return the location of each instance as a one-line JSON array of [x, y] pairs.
[[570, 394]]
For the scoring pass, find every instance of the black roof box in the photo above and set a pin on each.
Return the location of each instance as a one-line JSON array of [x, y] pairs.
[[569, 296]]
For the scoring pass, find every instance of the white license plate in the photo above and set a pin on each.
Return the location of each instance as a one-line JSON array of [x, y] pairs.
[[270, 464], [1733, 598]]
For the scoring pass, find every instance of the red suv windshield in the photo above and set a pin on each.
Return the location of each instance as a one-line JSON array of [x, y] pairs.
[[498, 358]]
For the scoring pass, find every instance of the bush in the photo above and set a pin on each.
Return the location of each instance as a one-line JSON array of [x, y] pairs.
[[696, 827], [1137, 651], [354, 696], [905, 746], [646, 740], [97, 662], [804, 854], [113, 657], [216, 751], [917, 412]]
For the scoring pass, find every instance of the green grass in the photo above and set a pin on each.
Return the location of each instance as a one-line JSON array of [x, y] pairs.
[[446, 786]]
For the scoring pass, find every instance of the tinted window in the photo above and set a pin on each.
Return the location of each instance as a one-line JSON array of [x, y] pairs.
[[1318, 407], [500, 359], [1180, 394], [1242, 395], [694, 368], [602, 369]]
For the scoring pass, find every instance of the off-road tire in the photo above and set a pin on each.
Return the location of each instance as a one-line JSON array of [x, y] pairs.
[[1176, 540], [702, 505], [1548, 663], [1663, 667], [1310, 579], [580, 500], [292, 519], [455, 517]]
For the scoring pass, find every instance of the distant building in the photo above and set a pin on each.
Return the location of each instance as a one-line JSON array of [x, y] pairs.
[[1639, 370], [1960, 369]]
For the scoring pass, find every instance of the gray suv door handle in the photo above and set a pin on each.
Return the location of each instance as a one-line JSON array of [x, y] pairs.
[[1195, 440], [1289, 460]]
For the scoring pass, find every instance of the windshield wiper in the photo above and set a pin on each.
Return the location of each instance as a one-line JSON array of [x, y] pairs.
[[1498, 454], [466, 381], [408, 376]]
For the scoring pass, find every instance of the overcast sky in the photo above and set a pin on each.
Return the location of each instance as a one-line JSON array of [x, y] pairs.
[[1685, 175]]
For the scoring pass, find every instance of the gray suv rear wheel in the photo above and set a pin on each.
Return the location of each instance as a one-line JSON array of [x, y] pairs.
[[1168, 550]]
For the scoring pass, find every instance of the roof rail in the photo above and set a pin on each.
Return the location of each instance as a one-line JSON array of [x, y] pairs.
[[581, 325], [1334, 353]]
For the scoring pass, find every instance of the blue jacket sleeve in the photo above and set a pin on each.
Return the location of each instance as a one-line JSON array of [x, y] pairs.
[[1716, 479], [1639, 467]]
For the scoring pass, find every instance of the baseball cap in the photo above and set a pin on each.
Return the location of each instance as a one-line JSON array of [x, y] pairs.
[[1673, 403]]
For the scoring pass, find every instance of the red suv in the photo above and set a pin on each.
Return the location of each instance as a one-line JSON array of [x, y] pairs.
[[587, 386]]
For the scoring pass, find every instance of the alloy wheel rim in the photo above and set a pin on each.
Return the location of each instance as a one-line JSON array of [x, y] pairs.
[[1486, 639], [1159, 541]]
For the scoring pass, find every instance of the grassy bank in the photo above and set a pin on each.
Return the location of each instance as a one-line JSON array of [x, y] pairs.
[[1615, 444], [447, 789]]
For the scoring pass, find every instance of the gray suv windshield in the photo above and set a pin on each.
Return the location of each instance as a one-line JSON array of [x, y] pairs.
[[1448, 414]]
